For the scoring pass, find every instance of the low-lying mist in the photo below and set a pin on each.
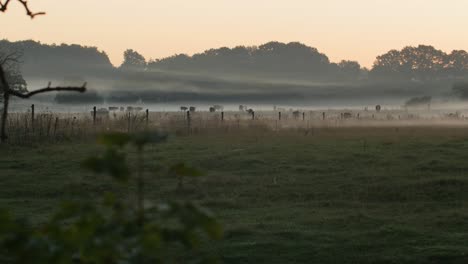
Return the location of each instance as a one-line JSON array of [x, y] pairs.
[[275, 73]]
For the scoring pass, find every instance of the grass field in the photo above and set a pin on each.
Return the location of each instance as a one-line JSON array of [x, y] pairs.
[[329, 195]]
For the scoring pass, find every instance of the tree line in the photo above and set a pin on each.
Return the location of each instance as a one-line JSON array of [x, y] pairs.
[[421, 63], [271, 60], [58, 61], [293, 61]]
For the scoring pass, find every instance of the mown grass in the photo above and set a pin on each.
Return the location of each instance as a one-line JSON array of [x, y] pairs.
[[329, 195]]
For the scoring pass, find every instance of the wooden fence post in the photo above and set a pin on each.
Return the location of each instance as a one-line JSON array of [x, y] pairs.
[[279, 116], [323, 115], [222, 116], [94, 115], [188, 122], [147, 117], [303, 116], [32, 117], [253, 115], [129, 116]]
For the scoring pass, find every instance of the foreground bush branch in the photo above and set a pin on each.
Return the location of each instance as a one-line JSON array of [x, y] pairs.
[[4, 6]]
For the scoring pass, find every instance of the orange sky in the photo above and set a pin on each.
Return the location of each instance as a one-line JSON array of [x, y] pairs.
[[343, 29]]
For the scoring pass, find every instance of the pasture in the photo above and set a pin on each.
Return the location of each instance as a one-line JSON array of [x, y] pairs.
[[312, 193]]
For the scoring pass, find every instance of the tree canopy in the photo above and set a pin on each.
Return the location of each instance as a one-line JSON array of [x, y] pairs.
[[10, 61], [287, 61], [272, 59], [133, 60], [59, 61], [422, 63]]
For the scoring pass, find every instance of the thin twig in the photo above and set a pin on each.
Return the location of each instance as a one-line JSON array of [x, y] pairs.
[[12, 57], [4, 6]]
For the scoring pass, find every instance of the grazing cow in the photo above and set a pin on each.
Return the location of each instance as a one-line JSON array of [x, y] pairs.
[[378, 108], [192, 109], [296, 114], [113, 108], [212, 109], [102, 111], [183, 108], [347, 115]]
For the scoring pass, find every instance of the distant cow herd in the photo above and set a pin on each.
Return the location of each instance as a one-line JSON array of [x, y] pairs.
[[214, 108], [106, 111], [243, 108]]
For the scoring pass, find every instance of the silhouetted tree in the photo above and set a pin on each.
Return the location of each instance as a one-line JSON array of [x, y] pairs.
[[133, 60], [13, 85], [422, 63], [9, 81], [60, 61], [178, 62], [461, 90], [388, 65], [13, 76], [350, 69], [271, 60], [457, 63]]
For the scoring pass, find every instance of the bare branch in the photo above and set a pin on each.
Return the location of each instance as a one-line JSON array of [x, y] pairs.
[[4, 7], [81, 89], [7, 91], [11, 57]]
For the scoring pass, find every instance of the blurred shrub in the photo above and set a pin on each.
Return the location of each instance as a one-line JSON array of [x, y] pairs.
[[114, 230]]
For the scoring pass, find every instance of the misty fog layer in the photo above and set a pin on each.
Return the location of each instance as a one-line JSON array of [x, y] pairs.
[[275, 73]]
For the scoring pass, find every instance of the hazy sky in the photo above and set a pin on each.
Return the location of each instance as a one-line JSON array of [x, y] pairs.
[[342, 29]]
